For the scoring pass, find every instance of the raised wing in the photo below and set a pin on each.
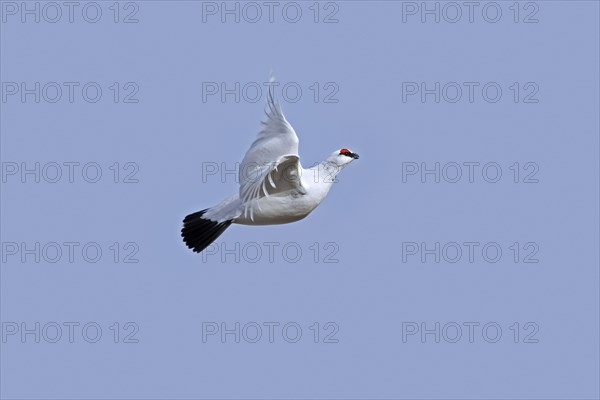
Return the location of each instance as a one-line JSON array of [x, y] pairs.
[[275, 144], [275, 139]]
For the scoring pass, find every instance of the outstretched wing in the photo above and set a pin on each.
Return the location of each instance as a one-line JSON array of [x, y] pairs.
[[276, 144]]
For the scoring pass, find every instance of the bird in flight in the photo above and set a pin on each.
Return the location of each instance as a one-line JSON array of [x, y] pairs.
[[274, 188]]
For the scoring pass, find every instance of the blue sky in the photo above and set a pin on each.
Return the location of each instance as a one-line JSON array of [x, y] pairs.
[[479, 149]]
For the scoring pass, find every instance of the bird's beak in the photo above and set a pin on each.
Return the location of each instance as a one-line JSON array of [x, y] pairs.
[[354, 155]]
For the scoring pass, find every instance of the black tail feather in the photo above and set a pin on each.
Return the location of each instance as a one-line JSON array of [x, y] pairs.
[[198, 233]]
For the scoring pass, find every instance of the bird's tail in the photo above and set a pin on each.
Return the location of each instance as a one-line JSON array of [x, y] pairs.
[[198, 233]]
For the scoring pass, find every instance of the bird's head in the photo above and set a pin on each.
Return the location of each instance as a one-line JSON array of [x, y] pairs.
[[342, 157]]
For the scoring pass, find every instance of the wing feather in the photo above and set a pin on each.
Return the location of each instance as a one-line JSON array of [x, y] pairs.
[[277, 178], [275, 144]]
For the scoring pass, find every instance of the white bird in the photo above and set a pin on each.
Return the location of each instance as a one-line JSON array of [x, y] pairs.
[[274, 188]]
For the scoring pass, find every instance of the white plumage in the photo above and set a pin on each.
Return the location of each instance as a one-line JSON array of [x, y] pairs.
[[274, 188]]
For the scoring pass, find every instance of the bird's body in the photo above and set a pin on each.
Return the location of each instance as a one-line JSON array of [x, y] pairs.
[[279, 207], [274, 188]]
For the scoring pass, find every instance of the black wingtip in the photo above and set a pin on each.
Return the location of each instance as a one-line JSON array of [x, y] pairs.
[[198, 233]]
